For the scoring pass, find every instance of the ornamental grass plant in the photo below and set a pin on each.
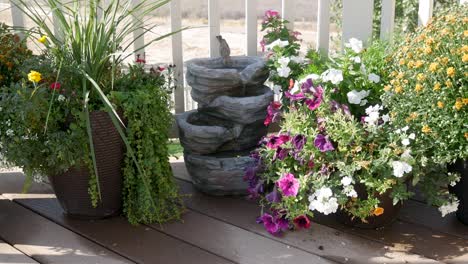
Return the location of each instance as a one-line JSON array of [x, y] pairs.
[[47, 112]]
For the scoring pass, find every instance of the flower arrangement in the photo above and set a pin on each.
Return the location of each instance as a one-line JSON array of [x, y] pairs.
[[46, 116], [428, 86]]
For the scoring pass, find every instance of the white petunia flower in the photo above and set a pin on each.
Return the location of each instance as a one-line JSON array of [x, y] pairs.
[[332, 75], [356, 59], [374, 78], [297, 59], [373, 115], [284, 71], [412, 136], [398, 131], [363, 69], [355, 97], [10, 132], [323, 201], [400, 168], [386, 118], [61, 98], [406, 154], [277, 89], [350, 192], [405, 129], [405, 142], [277, 43], [284, 61], [449, 207], [355, 44], [346, 180]]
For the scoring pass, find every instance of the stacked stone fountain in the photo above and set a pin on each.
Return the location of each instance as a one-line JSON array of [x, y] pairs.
[[219, 135]]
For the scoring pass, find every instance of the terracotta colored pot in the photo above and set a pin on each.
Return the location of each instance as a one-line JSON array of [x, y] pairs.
[[388, 217], [71, 187], [461, 189]]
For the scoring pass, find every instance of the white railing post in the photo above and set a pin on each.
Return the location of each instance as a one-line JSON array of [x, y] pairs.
[[425, 11], [17, 16], [287, 12], [251, 27], [213, 23], [387, 21], [323, 26], [357, 20], [177, 57], [138, 34]]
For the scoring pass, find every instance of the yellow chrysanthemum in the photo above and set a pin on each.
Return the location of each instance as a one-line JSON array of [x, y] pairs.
[[402, 61], [440, 104], [448, 83], [400, 75], [458, 104], [465, 33], [465, 101], [426, 129], [444, 60], [410, 64], [34, 76], [428, 50], [466, 135], [451, 71], [464, 48], [398, 89], [418, 87], [421, 77], [429, 41], [387, 88], [414, 115], [433, 66], [437, 86], [42, 39], [465, 57], [419, 63]]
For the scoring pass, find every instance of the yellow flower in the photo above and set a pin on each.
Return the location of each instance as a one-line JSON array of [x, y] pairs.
[[458, 104], [465, 57], [410, 64], [445, 31], [464, 48], [440, 104], [437, 86], [419, 63], [428, 50], [398, 89], [466, 135], [421, 77], [42, 39], [444, 60], [413, 115], [426, 129], [465, 33], [387, 88], [433, 66], [448, 83], [465, 101], [402, 62], [451, 71], [34, 76], [400, 75], [429, 41], [418, 87]]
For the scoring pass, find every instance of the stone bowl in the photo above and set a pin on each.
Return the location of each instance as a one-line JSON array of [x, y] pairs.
[[219, 174], [250, 108], [204, 134], [210, 78]]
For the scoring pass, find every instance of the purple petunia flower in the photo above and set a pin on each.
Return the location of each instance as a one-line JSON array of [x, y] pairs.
[[299, 142], [323, 143], [288, 184], [276, 141], [324, 169], [273, 113], [269, 222], [281, 153], [334, 106], [274, 196], [345, 109], [255, 190]]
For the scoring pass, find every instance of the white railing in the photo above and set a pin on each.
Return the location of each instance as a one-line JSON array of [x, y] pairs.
[[357, 22]]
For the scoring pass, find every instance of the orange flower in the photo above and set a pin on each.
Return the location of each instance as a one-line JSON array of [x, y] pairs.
[[440, 104], [378, 211]]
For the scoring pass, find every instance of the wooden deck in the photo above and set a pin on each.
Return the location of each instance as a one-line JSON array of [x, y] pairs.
[[214, 230]]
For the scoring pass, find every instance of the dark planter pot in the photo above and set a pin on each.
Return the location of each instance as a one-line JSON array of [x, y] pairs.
[[388, 217], [461, 189], [71, 187]]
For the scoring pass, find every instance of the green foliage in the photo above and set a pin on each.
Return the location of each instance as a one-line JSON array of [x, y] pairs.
[[13, 51], [146, 110]]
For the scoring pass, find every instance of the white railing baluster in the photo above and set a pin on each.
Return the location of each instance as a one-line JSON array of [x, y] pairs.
[[251, 27], [323, 26], [357, 20], [138, 35], [214, 26], [425, 11], [287, 12], [17, 16], [387, 21], [177, 56]]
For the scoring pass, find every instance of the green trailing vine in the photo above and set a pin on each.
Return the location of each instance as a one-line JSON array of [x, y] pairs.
[[145, 101]]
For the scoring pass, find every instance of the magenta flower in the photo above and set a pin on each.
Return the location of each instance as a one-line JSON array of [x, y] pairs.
[[281, 153], [263, 44], [276, 141], [273, 113], [271, 14], [288, 184], [323, 143], [269, 222], [299, 141]]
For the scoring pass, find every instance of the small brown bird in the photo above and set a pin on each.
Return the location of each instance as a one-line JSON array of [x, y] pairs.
[[224, 50]]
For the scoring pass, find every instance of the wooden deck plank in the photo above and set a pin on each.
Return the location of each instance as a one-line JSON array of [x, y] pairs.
[[428, 216], [320, 240], [235, 243], [139, 243], [46, 241], [9, 254]]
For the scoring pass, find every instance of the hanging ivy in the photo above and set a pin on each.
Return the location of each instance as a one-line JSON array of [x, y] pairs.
[[145, 99]]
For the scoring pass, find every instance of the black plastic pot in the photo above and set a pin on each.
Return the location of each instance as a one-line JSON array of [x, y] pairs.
[[71, 187], [461, 189], [373, 222]]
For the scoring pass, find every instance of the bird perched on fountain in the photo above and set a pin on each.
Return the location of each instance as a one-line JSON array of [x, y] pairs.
[[224, 50]]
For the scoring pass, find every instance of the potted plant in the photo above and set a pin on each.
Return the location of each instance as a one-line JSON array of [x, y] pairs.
[[428, 91], [67, 123]]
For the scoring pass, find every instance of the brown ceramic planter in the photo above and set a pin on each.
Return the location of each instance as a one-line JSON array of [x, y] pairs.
[[388, 217], [461, 189], [71, 187]]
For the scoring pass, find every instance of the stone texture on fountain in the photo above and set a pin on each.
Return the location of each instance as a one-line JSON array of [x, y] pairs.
[[218, 137]]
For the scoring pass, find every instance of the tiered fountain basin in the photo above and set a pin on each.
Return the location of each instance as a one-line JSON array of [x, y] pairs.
[[218, 136]]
